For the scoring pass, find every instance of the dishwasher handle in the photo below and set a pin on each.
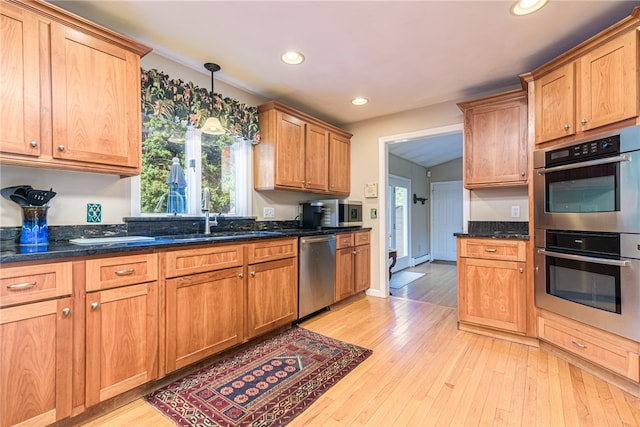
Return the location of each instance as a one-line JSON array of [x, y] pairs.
[[317, 239]]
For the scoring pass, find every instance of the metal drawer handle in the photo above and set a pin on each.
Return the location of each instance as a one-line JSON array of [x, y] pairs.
[[577, 344], [490, 250], [94, 305], [126, 272], [605, 261], [24, 285]]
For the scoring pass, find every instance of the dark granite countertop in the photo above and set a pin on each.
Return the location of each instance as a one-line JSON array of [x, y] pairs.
[[13, 252], [497, 230]]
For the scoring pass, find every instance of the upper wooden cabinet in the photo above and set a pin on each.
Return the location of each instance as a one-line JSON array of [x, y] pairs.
[[495, 140], [300, 153], [71, 92], [591, 88]]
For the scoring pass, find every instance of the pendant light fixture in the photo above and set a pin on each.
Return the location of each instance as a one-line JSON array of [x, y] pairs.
[[212, 126]]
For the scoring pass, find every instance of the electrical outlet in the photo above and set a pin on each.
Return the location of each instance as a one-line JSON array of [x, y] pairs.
[[515, 211], [269, 212]]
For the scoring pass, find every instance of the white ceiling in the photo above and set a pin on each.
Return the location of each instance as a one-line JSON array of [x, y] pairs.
[[401, 55]]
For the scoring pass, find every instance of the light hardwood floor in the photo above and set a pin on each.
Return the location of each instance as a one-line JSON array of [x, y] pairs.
[[425, 372], [437, 286]]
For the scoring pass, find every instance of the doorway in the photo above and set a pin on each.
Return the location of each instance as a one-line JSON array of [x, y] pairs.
[[399, 217], [446, 219], [383, 178]]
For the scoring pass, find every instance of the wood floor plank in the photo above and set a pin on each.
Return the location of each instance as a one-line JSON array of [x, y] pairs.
[[426, 372]]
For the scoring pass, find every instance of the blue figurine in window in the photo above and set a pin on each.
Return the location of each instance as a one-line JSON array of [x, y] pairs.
[[177, 200]]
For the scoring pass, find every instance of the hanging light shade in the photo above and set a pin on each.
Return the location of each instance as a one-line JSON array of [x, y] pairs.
[[212, 126]]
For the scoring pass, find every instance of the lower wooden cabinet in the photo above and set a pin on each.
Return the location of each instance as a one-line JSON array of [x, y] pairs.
[[353, 264], [36, 363], [121, 340], [272, 295], [492, 284], [609, 351], [204, 315]]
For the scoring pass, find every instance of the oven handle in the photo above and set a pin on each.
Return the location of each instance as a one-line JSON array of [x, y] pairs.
[[615, 262], [620, 158]]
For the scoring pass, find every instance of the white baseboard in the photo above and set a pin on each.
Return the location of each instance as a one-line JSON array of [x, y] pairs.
[[420, 260]]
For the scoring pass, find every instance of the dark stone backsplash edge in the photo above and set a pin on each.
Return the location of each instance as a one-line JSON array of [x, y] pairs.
[[151, 226], [498, 227]]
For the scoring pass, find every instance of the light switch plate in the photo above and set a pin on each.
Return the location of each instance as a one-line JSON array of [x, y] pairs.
[[94, 212]]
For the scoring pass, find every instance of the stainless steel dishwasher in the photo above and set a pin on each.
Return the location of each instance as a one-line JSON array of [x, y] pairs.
[[316, 277]]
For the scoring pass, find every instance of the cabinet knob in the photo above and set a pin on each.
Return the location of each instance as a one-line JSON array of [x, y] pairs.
[[521, 270], [66, 311], [303, 182], [566, 126], [94, 305], [583, 121], [34, 143], [522, 173], [60, 147], [253, 274], [241, 275]]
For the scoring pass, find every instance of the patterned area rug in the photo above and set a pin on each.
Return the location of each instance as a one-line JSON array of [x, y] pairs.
[[265, 385]]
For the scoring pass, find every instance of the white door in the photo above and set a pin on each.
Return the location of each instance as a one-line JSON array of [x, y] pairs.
[[446, 219], [399, 220]]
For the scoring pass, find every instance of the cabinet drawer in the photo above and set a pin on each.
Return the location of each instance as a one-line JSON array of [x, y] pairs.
[[344, 240], [105, 273], [19, 285], [271, 250], [508, 250], [611, 352], [200, 260], [362, 238]]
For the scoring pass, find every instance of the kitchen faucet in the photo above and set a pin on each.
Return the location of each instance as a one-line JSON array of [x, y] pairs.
[[206, 206]]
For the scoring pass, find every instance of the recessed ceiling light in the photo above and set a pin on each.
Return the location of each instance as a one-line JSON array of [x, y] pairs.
[[359, 101], [525, 7], [292, 57]]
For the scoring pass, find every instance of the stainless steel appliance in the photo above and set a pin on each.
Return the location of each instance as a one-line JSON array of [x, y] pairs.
[[591, 277], [317, 266], [591, 185], [342, 213]]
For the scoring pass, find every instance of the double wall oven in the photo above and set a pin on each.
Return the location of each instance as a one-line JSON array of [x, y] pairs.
[[587, 237]]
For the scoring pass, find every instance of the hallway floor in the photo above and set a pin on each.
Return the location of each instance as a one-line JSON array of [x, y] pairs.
[[437, 286]]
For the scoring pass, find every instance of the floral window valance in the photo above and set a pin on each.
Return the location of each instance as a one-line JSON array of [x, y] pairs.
[[187, 104]]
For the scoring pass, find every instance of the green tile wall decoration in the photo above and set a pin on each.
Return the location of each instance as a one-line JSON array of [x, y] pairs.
[[94, 212]]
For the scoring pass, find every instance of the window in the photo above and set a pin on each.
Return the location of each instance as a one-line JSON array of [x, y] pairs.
[[179, 160]]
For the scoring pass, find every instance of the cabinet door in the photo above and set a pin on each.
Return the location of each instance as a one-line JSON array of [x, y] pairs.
[[555, 104], [496, 143], [609, 82], [204, 315], [317, 158], [121, 340], [492, 293], [19, 82], [362, 267], [96, 100], [35, 363], [272, 295], [344, 273], [290, 151], [339, 161]]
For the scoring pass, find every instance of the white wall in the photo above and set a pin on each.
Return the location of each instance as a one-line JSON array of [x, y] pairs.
[[494, 204]]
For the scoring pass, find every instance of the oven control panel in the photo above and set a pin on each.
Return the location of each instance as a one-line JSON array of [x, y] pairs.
[[587, 150]]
